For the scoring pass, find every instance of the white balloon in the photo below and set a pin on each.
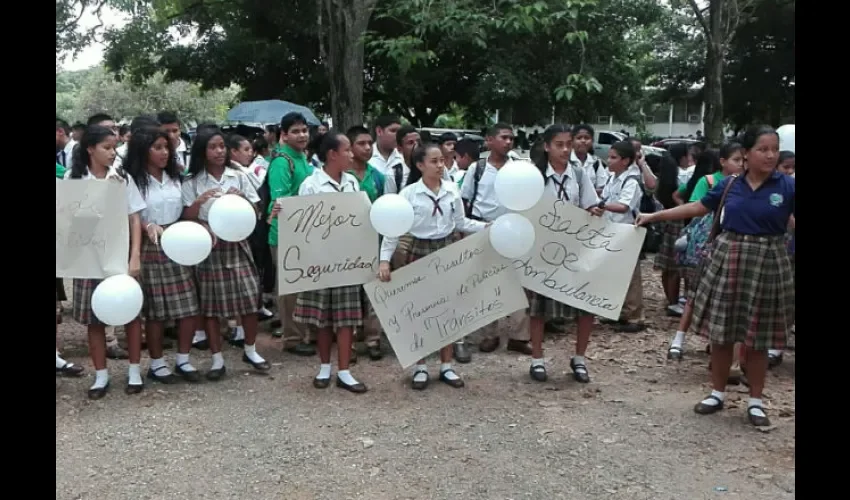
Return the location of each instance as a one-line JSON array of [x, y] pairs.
[[232, 218], [512, 235], [787, 140], [186, 243], [391, 215], [117, 300], [519, 185]]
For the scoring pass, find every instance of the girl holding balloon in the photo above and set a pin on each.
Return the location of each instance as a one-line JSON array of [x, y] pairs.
[[568, 182], [228, 283], [168, 287], [92, 159], [438, 212]]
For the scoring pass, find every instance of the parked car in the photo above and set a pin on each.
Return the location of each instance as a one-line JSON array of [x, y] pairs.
[[666, 143], [605, 138]]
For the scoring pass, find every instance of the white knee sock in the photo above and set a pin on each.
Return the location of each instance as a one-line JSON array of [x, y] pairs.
[[421, 373], [134, 374], [101, 379], [251, 353]]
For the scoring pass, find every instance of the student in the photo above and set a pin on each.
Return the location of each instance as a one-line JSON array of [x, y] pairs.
[[171, 125], [665, 258], [711, 168], [582, 154], [785, 165], [372, 183], [569, 183], [746, 292], [138, 122], [440, 202], [92, 159], [64, 143], [384, 153], [447, 142], [787, 162], [229, 286], [287, 170], [169, 288], [620, 202], [397, 172], [467, 152], [337, 309], [479, 195]]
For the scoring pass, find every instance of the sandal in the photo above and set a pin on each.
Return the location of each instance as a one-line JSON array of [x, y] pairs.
[[418, 386], [538, 373], [757, 420], [706, 409], [676, 353]]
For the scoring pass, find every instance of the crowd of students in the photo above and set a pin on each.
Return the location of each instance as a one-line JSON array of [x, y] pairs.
[[742, 291]]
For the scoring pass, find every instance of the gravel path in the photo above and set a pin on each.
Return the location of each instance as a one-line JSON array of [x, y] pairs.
[[630, 434]]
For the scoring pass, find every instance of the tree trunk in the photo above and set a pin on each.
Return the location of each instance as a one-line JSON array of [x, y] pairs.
[[344, 59], [713, 120]]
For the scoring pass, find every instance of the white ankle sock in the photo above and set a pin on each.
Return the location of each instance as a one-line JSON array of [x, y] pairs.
[[59, 361], [159, 367], [217, 361], [537, 362], [200, 336], [265, 312], [345, 377], [183, 362], [251, 353], [579, 360], [774, 352], [711, 401], [101, 379], [421, 371], [447, 372], [678, 340], [134, 374], [756, 402], [231, 323], [239, 333], [324, 371]]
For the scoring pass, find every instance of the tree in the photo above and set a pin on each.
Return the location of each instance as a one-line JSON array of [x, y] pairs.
[[99, 92], [719, 23], [69, 39]]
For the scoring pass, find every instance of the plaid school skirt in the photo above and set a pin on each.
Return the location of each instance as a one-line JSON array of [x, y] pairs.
[[81, 310], [540, 306], [665, 259], [169, 288], [422, 248], [228, 282], [746, 292], [334, 308], [691, 274]]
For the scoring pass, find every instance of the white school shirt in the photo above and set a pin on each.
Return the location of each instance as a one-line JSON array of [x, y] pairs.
[[430, 223], [577, 188], [485, 205], [629, 194], [389, 177], [63, 157], [597, 177], [382, 164], [135, 202], [320, 182], [252, 177], [195, 186], [164, 201]]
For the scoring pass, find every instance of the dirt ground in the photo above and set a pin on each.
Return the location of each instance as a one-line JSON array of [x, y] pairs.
[[629, 434]]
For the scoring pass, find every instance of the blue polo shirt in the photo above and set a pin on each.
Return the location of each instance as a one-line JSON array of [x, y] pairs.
[[762, 212]]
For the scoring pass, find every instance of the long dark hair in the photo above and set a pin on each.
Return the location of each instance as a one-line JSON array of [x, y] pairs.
[[418, 156], [198, 158], [138, 154], [668, 176], [80, 158], [707, 164], [541, 157]]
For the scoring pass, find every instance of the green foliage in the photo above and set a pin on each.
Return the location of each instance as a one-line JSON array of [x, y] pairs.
[[84, 93]]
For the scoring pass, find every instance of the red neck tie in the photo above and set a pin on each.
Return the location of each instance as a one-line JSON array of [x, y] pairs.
[[436, 206]]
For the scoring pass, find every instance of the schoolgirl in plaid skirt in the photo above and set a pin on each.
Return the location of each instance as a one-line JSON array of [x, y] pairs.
[[568, 182], [228, 283], [746, 292], [92, 159], [438, 213], [169, 288], [340, 309]]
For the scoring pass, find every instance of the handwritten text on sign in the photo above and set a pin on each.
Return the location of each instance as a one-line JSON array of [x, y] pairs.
[[92, 229], [578, 259], [445, 296], [325, 241]]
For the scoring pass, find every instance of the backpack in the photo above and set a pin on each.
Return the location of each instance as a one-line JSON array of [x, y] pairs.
[[648, 204], [379, 181], [700, 232], [263, 191], [480, 167]]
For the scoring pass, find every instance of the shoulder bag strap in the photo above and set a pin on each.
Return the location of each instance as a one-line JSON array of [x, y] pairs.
[[715, 225]]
